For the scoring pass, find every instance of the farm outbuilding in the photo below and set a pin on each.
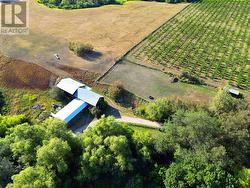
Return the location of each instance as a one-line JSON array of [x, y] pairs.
[[83, 98], [233, 92]]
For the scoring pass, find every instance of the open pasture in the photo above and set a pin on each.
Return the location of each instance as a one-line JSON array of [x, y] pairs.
[[112, 30], [210, 39]]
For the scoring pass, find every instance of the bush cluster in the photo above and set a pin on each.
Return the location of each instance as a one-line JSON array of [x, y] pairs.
[[195, 148], [116, 91], [80, 49], [190, 79], [100, 109], [160, 110], [77, 4]]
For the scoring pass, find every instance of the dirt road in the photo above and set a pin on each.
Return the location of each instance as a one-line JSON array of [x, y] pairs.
[[128, 119]]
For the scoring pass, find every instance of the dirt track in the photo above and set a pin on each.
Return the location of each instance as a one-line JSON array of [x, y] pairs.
[[112, 29]]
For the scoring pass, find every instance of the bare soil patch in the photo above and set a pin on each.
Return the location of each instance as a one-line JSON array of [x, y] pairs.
[[84, 76], [20, 74]]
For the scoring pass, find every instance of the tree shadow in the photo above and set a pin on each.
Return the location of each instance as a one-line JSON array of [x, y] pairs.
[[81, 121], [111, 111], [92, 56]]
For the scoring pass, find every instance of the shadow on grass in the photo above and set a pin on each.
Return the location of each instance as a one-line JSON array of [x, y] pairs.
[[92, 56], [112, 111]]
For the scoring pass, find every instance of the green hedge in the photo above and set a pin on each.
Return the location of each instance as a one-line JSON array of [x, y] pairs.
[[77, 4]]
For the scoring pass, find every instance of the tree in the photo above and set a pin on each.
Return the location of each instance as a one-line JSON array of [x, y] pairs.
[[236, 137], [7, 122], [197, 170], [161, 110], [25, 140], [67, 3], [189, 129], [135, 182], [144, 145], [33, 177], [54, 2], [53, 155], [223, 102], [244, 177], [56, 128], [107, 150], [2, 102], [7, 169], [116, 91]]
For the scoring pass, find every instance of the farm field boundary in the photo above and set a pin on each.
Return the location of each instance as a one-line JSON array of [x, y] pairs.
[[209, 39]]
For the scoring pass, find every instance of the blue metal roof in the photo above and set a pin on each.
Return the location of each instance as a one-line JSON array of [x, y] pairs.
[[84, 97], [70, 110]]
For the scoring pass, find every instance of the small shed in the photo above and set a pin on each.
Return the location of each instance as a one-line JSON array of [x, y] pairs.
[[233, 92]]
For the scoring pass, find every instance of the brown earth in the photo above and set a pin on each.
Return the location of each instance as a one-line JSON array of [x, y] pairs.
[[20, 74]]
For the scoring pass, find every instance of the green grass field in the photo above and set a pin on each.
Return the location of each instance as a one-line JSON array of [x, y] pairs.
[[210, 39], [19, 101], [144, 82], [144, 129]]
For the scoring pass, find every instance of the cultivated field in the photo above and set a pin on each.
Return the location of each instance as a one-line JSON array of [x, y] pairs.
[[210, 39], [111, 29]]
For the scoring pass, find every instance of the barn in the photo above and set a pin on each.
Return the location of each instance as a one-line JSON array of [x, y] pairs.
[[83, 97]]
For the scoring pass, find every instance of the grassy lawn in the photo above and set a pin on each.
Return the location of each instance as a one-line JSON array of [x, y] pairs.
[[143, 129], [144, 82], [21, 101]]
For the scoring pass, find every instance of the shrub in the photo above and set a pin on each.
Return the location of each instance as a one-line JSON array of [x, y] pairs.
[[99, 110], [116, 91], [188, 78], [2, 102], [244, 177], [121, 1], [161, 110], [80, 49], [57, 94], [224, 102]]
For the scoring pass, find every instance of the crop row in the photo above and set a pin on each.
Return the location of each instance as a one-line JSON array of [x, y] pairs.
[[209, 39]]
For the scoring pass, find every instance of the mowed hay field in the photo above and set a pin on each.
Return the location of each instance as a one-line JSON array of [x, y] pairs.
[[111, 29], [210, 39]]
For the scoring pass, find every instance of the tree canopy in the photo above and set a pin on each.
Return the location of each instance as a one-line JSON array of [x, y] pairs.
[[196, 147]]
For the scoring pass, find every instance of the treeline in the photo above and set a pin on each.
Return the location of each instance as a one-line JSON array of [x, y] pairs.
[[196, 147], [77, 4]]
